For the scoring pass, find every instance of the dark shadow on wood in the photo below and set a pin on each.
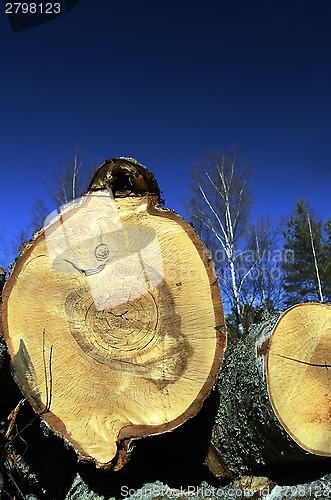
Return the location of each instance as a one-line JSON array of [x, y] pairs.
[[175, 458]]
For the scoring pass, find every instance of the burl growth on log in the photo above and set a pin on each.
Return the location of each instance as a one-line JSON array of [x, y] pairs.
[[112, 316]]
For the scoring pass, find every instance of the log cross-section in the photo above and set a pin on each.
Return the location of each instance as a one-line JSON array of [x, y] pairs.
[[112, 316], [299, 375]]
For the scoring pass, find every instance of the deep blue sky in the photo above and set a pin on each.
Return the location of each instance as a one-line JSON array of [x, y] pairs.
[[164, 82]]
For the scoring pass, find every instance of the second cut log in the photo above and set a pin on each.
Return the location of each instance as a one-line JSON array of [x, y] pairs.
[[275, 393]]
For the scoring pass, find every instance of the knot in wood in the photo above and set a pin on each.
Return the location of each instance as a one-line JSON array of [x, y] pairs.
[[101, 252]]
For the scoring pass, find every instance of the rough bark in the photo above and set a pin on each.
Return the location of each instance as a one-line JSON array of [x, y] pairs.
[[275, 393], [113, 318]]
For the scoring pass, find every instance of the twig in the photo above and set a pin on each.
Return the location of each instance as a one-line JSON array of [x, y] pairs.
[[48, 395], [12, 417]]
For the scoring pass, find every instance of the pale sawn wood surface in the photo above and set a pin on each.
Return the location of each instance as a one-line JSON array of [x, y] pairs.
[[113, 320], [299, 375]]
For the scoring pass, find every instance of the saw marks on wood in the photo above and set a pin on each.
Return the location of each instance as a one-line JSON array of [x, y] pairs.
[[299, 375]]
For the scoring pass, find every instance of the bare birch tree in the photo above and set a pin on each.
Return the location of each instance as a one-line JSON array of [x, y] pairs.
[[4, 249], [264, 244], [67, 183], [317, 273], [220, 209]]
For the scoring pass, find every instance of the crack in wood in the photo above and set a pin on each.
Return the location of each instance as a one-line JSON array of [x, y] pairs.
[[87, 272], [325, 365], [119, 315]]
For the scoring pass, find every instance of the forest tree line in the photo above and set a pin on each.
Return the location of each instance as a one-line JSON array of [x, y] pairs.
[[264, 263], [260, 264]]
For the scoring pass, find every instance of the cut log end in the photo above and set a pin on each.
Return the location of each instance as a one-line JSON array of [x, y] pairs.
[[274, 388], [114, 322], [299, 375]]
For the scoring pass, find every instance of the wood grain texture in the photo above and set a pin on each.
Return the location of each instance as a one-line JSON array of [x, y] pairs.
[[299, 375], [113, 318]]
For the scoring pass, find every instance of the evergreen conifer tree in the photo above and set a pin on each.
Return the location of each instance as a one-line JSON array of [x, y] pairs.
[[305, 270]]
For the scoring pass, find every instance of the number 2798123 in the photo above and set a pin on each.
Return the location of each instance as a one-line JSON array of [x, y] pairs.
[[32, 8]]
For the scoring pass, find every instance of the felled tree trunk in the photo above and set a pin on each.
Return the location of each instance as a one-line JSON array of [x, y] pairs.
[[113, 318], [275, 393]]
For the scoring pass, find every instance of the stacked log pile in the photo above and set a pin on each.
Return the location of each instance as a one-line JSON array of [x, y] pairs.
[[114, 331]]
